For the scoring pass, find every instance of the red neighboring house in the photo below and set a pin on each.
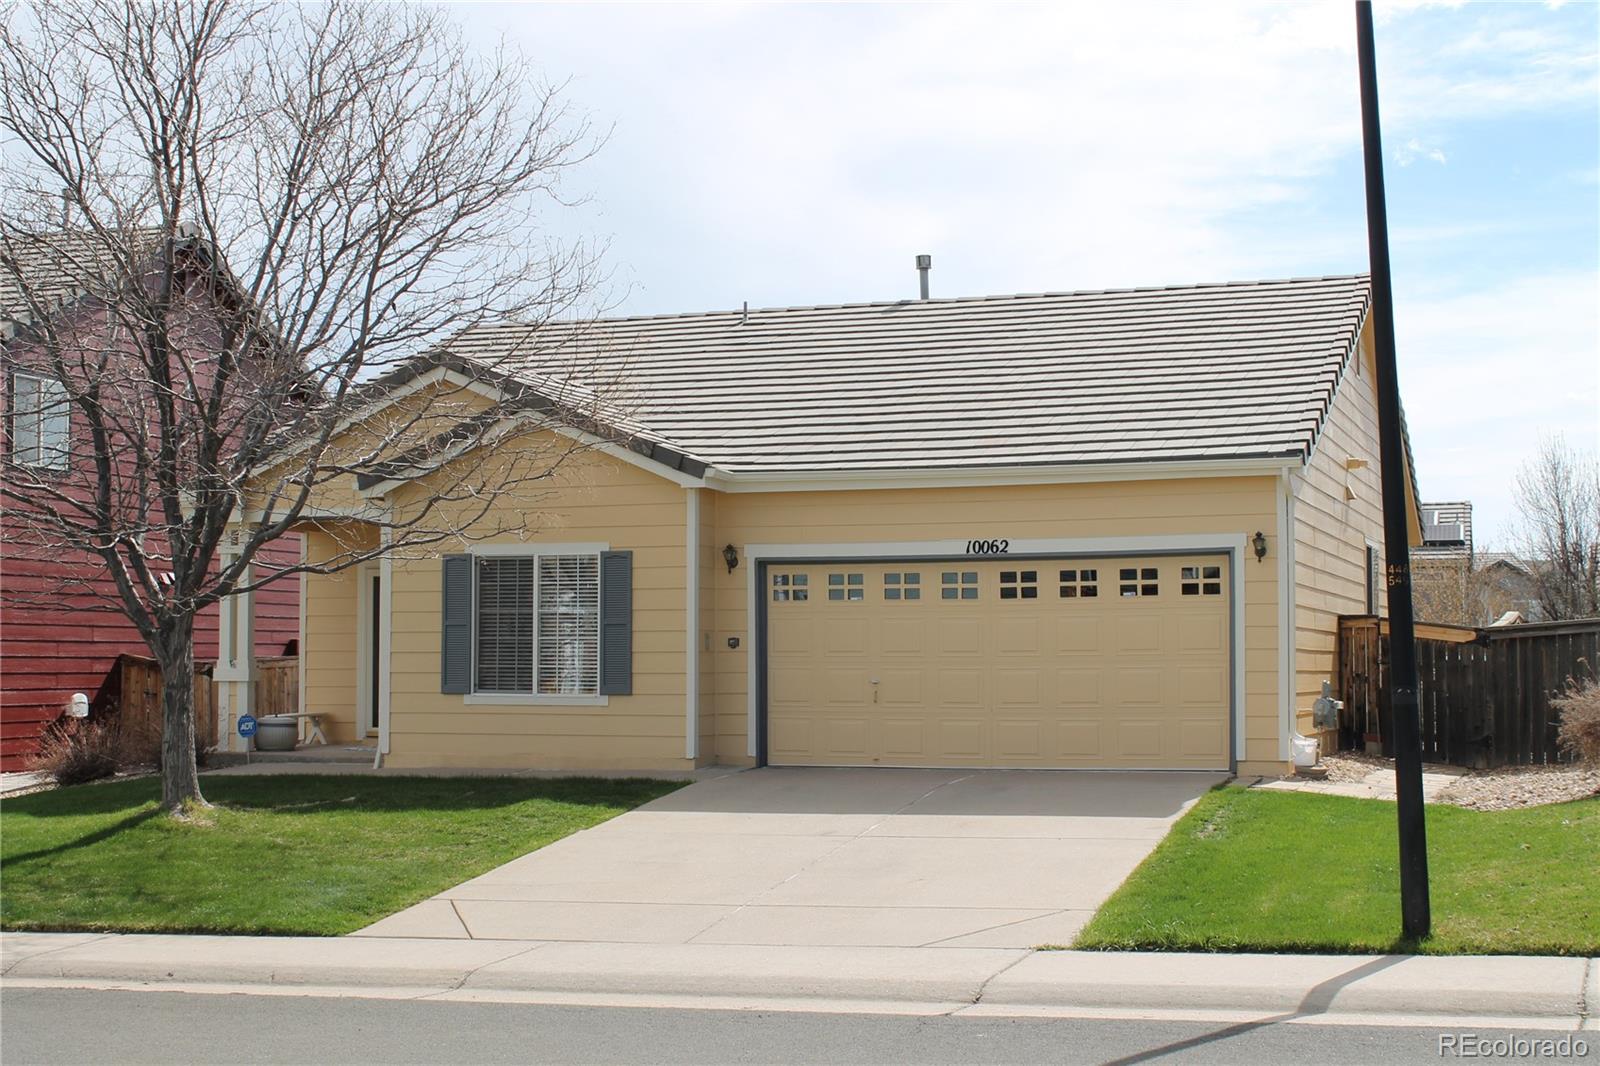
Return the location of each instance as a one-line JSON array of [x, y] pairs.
[[56, 635]]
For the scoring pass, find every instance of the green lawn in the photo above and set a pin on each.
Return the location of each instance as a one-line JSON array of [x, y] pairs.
[[1248, 870], [277, 855]]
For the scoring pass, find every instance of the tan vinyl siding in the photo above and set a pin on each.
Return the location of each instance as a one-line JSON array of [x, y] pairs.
[[1234, 506], [1331, 532], [593, 499]]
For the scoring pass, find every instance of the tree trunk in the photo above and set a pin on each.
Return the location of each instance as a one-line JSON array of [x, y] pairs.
[[180, 777]]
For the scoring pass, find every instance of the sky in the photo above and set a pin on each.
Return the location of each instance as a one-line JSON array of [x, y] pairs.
[[805, 154]]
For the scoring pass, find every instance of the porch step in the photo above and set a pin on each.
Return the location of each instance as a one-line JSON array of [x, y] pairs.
[[319, 753]]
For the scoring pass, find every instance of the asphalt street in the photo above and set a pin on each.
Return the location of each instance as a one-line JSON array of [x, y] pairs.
[[50, 1025]]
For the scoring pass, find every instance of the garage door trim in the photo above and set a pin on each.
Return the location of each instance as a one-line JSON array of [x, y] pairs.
[[760, 556]]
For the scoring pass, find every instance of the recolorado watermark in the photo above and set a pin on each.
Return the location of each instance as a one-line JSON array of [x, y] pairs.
[[1479, 1046]]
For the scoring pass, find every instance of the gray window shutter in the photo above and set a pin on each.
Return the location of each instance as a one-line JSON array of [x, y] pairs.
[[455, 652], [616, 623]]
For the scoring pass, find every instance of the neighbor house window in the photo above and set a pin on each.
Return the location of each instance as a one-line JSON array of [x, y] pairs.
[[538, 624], [41, 421]]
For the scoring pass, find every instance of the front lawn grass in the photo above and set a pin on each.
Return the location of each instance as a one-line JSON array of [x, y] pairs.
[[1247, 870], [288, 854]]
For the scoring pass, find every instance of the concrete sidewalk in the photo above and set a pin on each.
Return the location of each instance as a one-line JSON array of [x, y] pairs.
[[1555, 993]]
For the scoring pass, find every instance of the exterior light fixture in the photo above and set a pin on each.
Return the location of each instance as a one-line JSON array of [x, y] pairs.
[[731, 557], [1259, 542]]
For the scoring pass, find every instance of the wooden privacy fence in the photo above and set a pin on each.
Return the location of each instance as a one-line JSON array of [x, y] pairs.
[[277, 686], [130, 696], [1483, 694]]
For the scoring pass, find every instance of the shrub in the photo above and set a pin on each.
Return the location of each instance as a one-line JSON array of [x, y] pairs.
[[1579, 704], [139, 746], [73, 752]]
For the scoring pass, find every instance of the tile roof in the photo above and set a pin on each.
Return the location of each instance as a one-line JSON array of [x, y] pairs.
[[55, 267], [1241, 370]]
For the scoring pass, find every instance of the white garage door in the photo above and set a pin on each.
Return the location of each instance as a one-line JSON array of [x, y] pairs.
[[1115, 662]]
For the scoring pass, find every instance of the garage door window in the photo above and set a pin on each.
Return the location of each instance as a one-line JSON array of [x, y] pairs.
[[1080, 584], [904, 585], [1138, 581], [1019, 584], [790, 587], [958, 585], [847, 587], [1201, 581]]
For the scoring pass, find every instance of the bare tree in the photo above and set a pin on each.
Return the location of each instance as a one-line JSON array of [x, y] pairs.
[[271, 210], [1558, 529], [1452, 592]]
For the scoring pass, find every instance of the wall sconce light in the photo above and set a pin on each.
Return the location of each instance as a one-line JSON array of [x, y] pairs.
[[731, 557], [1259, 542]]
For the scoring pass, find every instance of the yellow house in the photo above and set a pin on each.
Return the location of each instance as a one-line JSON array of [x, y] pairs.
[[1098, 529]]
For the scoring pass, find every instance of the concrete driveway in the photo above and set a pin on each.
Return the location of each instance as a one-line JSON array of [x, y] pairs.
[[816, 856]]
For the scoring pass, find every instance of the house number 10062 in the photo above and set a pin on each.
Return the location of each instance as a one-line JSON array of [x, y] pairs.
[[988, 547]]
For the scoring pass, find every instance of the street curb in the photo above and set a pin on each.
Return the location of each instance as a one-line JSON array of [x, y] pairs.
[[1285, 985]]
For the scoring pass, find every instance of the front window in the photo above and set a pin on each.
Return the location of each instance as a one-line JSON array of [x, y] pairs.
[[41, 422], [538, 625]]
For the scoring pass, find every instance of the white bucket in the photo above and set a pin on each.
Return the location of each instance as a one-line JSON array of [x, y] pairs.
[[1305, 751]]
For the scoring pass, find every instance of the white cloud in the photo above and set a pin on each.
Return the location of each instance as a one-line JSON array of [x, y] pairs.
[[1485, 372]]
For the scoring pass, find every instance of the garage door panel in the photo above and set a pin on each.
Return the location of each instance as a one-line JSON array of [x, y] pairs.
[[1202, 738], [902, 687], [904, 738], [1138, 635], [966, 678], [847, 736], [1079, 636], [846, 637], [960, 688], [1202, 634], [1017, 637], [1140, 739], [1137, 688], [1014, 688], [960, 637], [961, 738], [1080, 741], [1015, 738], [904, 636], [1078, 687], [1202, 686]]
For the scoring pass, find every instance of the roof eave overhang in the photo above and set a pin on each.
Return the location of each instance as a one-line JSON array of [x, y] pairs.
[[1038, 474]]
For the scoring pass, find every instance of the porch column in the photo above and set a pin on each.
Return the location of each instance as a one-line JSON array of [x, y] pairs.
[[235, 672]]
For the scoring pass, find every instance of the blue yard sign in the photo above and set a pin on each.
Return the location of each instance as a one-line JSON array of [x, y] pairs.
[[247, 725]]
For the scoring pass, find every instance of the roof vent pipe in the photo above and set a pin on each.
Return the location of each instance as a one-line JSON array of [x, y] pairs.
[[924, 264]]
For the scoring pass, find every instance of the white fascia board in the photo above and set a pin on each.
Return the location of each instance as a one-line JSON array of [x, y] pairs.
[[375, 513], [515, 423], [1061, 474]]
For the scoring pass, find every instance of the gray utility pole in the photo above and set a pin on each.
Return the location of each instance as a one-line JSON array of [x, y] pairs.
[[1415, 916]]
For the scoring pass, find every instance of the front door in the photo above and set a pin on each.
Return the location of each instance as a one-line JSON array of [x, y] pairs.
[[369, 661]]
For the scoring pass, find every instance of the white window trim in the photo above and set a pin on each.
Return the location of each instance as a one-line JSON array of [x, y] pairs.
[[38, 461], [530, 549]]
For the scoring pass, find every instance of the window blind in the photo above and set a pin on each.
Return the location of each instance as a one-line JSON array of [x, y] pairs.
[[505, 617], [569, 624]]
